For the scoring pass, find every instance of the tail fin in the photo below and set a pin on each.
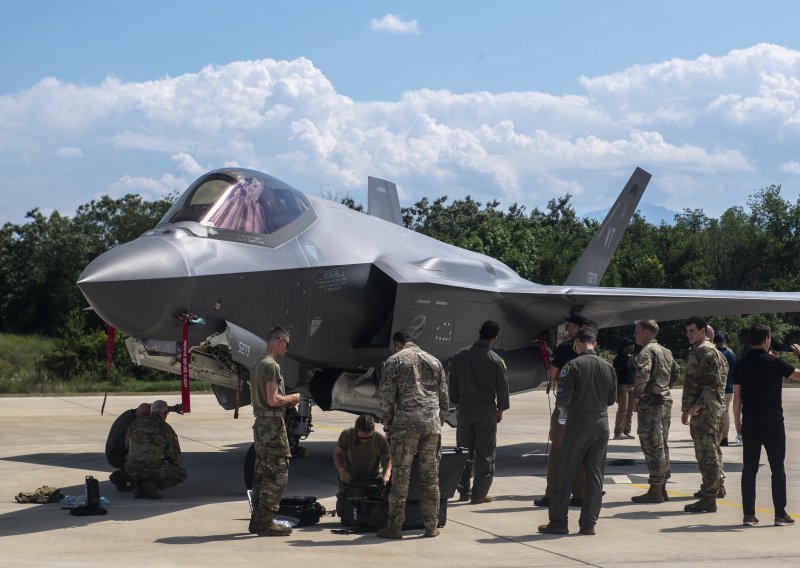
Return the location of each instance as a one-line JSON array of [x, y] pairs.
[[592, 264], [382, 200]]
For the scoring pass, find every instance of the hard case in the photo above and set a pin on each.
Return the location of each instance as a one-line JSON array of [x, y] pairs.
[[304, 508]]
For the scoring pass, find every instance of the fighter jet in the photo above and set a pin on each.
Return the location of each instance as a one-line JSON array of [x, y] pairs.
[[241, 251]]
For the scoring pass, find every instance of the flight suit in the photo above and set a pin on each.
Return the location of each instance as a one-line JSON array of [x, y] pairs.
[[564, 353], [589, 387], [479, 388]]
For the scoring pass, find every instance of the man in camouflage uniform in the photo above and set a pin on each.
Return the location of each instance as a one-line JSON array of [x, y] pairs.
[[413, 405], [703, 404], [154, 454], [269, 399], [479, 390], [116, 451], [656, 372]]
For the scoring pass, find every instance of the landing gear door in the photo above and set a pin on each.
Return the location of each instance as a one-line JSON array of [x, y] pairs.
[[247, 348]]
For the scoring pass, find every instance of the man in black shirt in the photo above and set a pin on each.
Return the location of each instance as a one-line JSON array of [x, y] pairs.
[[565, 352], [625, 367], [758, 412]]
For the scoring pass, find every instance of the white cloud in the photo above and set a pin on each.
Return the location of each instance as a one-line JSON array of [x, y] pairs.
[[792, 167], [150, 188], [188, 164], [392, 24], [68, 152], [704, 128]]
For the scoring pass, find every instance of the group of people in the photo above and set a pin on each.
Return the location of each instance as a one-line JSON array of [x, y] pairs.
[[145, 450], [588, 385], [416, 394]]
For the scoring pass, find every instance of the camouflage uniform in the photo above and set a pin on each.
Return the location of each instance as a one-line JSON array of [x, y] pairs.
[[656, 372], [154, 454], [271, 445], [704, 387], [413, 404]]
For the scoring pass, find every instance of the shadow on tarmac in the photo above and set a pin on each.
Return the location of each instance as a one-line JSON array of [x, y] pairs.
[[214, 477]]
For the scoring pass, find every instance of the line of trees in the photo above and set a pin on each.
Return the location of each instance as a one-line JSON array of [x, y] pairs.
[[747, 248]]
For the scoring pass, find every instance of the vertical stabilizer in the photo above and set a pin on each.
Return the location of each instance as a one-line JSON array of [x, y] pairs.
[[383, 201], [592, 264]]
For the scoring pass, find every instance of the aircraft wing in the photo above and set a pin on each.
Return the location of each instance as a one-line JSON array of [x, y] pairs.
[[621, 306]]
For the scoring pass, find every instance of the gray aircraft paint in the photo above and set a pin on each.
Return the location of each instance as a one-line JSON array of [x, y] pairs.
[[342, 282]]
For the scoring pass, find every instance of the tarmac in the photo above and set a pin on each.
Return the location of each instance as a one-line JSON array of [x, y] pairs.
[[58, 441]]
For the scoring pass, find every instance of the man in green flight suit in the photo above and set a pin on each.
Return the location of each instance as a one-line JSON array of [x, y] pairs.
[[479, 390], [589, 387]]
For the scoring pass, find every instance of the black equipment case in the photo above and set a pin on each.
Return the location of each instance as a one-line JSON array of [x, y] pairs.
[[373, 512], [305, 509]]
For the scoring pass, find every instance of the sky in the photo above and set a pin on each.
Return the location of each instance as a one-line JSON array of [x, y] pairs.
[[517, 101]]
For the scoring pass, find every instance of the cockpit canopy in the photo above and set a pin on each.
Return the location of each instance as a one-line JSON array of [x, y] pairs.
[[244, 201]]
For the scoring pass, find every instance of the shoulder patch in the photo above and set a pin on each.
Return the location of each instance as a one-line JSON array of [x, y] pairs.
[[564, 371]]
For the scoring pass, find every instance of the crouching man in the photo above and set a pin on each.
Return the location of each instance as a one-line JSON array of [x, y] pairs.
[[154, 454], [362, 460]]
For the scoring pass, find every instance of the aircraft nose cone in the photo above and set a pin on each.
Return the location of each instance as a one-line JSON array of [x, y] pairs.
[[138, 287]]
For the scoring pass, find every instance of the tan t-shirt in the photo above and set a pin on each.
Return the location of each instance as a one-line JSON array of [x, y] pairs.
[[362, 458], [265, 371]]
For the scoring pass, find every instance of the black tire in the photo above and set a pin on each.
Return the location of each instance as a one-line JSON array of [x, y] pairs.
[[250, 466]]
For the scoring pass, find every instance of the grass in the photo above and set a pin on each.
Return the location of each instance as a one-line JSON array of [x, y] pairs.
[[22, 373]]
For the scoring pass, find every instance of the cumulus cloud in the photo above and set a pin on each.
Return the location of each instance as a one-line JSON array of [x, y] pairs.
[[706, 127], [792, 167], [392, 24], [68, 152]]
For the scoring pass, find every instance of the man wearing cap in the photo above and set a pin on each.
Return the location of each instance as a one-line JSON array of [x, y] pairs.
[[565, 352], [588, 388], [725, 421], [625, 367], [656, 372], [479, 391]]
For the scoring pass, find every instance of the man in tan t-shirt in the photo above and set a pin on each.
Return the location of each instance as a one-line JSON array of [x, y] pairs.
[[361, 458]]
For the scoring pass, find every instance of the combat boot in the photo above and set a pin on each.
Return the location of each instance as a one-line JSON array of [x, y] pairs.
[[390, 532], [704, 505], [274, 529], [721, 491], [258, 520], [654, 495], [664, 493], [430, 533]]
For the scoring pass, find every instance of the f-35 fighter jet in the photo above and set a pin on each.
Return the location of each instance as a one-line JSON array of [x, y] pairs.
[[241, 252]]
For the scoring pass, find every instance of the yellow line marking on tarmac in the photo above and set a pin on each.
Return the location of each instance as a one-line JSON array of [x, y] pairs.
[[731, 504]]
